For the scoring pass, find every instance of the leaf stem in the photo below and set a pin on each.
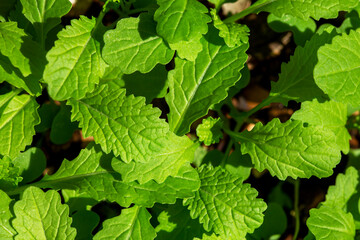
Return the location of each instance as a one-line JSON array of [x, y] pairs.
[[296, 208], [230, 144]]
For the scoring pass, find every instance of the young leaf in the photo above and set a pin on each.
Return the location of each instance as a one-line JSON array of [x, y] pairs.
[[92, 174], [128, 127], [175, 223], [345, 186], [18, 118], [216, 68], [9, 174], [40, 215], [341, 80], [303, 9], [133, 223], [330, 115], [44, 15], [31, 164], [7, 232], [234, 34], [296, 80], [291, 150], [331, 223], [209, 131], [187, 50], [226, 205], [74, 61], [181, 20], [134, 45], [11, 40]]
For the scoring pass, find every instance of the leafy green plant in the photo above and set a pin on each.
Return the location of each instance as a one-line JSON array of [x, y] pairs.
[[104, 79]]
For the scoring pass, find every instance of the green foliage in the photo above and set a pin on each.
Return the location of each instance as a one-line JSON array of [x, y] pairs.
[[139, 85]]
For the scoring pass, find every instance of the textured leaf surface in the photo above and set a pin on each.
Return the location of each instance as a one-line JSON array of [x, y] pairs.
[[10, 46], [44, 14], [341, 81], [9, 174], [175, 223], [345, 186], [331, 223], [181, 20], [133, 223], [296, 80], [135, 46], [234, 34], [74, 61], [128, 127], [226, 205], [187, 50], [291, 150], [91, 173], [40, 215], [209, 131], [330, 115], [195, 86], [7, 232], [18, 116], [304, 9]]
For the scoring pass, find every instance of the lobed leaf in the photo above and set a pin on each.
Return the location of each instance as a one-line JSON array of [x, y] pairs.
[[9, 174], [133, 223], [329, 115], [91, 174], [18, 116], [181, 20], [74, 61], [44, 15], [331, 223], [304, 9], [7, 232], [225, 204], [40, 215], [134, 45], [194, 86], [209, 131], [341, 80], [296, 80], [291, 150]]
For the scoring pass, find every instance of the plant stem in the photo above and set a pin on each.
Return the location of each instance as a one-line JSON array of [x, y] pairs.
[[296, 208], [230, 144]]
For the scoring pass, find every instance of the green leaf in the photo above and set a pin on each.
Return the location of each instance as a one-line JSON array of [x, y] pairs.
[[291, 150], [234, 34], [303, 9], [141, 84], [18, 116], [11, 40], [47, 112], [329, 115], [41, 215], [74, 61], [175, 223], [341, 81], [128, 127], [44, 15], [85, 222], [239, 164], [7, 232], [181, 20], [135, 46], [296, 80], [302, 29], [351, 21], [92, 174], [31, 164], [226, 205], [133, 223], [187, 50], [9, 174], [331, 223], [5, 7], [209, 131], [218, 3], [345, 186], [209, 237], [216, 68], [62, 128]]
